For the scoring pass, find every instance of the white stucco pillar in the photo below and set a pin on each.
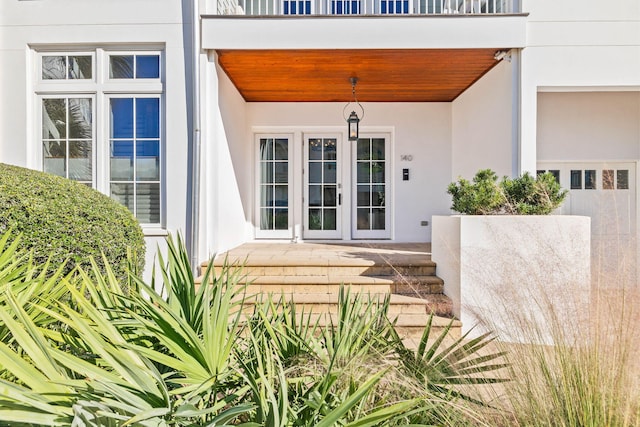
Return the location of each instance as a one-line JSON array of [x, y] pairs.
[[528, 116]]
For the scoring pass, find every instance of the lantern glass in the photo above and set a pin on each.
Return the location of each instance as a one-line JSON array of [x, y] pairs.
[[353, 122]]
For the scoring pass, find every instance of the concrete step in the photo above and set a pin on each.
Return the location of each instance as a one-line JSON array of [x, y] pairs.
[[409, 314], [326, 302], [331, 284], [323, 267]]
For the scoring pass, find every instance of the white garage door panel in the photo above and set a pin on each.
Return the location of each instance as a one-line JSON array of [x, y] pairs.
[[606, 192]]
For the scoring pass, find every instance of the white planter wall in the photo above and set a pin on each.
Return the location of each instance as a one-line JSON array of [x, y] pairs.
[[510, 274]]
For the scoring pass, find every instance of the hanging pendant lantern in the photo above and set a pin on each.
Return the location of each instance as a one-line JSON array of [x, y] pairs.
[[353, 121]]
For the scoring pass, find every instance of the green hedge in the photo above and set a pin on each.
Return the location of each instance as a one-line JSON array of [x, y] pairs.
[[63, 220]]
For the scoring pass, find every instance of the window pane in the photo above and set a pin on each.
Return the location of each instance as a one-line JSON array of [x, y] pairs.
[[266, 219], [330, 195], [378, 195], [281, 217], [315, 172], [121, 161], [266, 149], [147, 66], [623, 179], [315, 219], [364, 172], [281, 149], [607, 179], [80, 67], [148, 160], [266, 172], [315, 195], [121, 118], [589, 180], [54, 119], [364, 195], [576, 180], [80, 118], [282, 172], [121, 66], [123, 193], [377, 219], [54, 155], [80, 161], [147, 118], [148, 203], [330, 149], [363, 150], [329, 219], [556, 175], [54, 67], [363, 219], [266, 195], [282, 195], [377, 172], [315, 149], [377, 149], [330, 172]]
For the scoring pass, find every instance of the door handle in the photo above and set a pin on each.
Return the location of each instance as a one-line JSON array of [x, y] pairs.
[[339, 199]]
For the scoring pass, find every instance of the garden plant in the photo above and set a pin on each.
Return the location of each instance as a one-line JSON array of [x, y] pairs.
[[78, 349], [67, 223], [524, 195]]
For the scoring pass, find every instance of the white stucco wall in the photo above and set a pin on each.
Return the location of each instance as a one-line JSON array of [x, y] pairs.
[[588, 126], [26, 26], [519, 277], [482, 125], [227, 164], [576, 45], [419, 130]]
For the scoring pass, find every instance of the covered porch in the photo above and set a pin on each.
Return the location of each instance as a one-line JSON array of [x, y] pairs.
[[439, 97]]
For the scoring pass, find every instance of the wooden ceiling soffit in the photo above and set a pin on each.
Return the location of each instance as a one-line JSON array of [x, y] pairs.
[[384, 75]]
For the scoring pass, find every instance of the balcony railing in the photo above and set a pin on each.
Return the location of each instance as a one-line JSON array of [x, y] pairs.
[[365, 7]]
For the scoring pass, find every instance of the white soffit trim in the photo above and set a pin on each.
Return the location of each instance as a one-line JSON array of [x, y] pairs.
[[371, 32]]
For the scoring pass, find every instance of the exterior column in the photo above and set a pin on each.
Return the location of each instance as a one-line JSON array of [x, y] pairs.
[[528, 117]]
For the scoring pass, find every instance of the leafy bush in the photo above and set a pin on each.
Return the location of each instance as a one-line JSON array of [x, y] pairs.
[[524, 195], [64, 221]]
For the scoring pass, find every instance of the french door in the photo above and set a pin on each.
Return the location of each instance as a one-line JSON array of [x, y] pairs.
[[322, 213], [332, 189], [274, 178], [370, 177]]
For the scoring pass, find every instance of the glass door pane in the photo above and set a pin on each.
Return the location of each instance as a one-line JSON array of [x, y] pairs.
[[323, 193]]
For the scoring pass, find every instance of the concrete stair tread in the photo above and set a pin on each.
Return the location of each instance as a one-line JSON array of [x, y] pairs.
[[403, 320], [305, 261], [337, 279], [332, 298]]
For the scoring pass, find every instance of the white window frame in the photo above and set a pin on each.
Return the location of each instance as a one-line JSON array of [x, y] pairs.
[[100, 88]]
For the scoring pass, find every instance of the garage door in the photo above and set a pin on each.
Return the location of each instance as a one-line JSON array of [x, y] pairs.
[[606, 192]]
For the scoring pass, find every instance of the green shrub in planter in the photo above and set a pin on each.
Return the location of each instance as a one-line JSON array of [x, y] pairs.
[[63, 220], [524, 195]]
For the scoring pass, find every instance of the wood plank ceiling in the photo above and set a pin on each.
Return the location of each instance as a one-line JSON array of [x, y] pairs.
[[384, 75]]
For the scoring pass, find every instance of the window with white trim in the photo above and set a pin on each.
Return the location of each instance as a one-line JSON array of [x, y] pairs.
[[102, 125]]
